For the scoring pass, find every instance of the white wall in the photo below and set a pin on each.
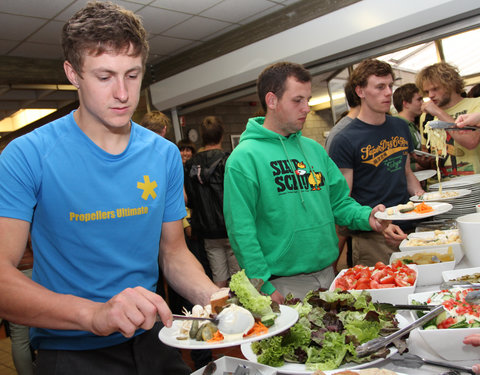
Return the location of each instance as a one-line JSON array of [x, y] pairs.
[[354, 26]]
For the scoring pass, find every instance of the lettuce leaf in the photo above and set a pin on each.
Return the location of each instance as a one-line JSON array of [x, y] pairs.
[[249, 297]]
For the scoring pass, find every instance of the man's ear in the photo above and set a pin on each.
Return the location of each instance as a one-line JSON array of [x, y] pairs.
[[405, 104], [271, 100], [359, 91], [71, 74]]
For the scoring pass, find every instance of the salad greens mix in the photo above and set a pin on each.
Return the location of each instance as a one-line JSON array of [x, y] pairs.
[[330, 326]]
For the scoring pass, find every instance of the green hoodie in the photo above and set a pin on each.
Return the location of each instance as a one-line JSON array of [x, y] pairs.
[[280, 216]]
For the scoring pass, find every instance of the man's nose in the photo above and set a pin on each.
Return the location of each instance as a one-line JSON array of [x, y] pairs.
[[121, 91]]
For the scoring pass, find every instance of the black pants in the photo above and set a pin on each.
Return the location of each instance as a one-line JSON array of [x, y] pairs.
[[144, 354]]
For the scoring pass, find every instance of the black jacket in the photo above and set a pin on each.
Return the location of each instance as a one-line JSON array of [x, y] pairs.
[[204, 187]]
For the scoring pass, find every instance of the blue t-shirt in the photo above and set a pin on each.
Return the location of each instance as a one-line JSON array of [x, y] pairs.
[[95, 217], [377, 154]]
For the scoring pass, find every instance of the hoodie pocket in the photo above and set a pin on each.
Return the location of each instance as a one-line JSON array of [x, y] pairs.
[[307, 250]]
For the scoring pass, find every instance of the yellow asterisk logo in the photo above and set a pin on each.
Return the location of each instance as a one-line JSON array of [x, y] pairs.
[[147, 187]]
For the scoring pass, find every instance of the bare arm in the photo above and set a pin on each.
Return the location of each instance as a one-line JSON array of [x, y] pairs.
[[467, 139], [413, 185], [37, 306], [348, 174], [182, 270]]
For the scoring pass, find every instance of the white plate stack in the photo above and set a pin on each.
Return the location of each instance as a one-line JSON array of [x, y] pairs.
[[461, 205]]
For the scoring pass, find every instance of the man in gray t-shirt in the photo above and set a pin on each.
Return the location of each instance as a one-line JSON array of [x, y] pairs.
[[354, 105]]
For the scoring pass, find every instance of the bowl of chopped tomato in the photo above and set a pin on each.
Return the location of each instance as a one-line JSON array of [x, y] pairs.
[[385, 283], [444, 334], [429, 270]]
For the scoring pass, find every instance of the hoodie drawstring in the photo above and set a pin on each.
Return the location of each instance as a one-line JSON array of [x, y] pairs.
[[292, 167]]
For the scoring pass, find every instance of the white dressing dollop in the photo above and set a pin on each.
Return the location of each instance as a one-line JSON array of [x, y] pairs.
[[235, 321]]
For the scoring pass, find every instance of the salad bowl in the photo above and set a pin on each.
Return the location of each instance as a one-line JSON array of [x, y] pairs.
[[447, 343]]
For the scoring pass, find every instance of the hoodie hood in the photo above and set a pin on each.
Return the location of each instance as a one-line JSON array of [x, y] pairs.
[[255, 130]]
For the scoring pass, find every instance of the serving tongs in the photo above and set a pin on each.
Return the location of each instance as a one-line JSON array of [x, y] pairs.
[[378, 343], [458, 284], [436, 124], [394, 307]]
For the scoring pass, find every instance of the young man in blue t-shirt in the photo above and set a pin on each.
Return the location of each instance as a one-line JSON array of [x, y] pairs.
[[103, 200]]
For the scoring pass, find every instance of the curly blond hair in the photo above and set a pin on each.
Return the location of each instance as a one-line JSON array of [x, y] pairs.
[[443, 74]]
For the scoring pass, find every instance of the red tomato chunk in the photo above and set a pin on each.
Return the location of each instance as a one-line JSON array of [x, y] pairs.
[[380, 276]]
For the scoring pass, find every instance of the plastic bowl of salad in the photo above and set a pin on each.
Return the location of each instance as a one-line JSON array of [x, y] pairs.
[[444, 335], [385, 283]]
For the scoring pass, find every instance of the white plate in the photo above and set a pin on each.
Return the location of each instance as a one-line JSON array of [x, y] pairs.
[[432, 196], [462, 181], [438, 208], [287, 318], [425, 175], [299, 368]]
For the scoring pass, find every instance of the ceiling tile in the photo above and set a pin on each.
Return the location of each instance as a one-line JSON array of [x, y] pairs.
[[158, 20], [37, 50], [18, 27], [6, 45], [261, 14], [196, 28], [162, 45], [49, 33], [187, 6], [234, 10], [45, 9]]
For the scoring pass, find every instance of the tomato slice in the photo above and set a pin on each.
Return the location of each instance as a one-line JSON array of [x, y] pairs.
[[388, 279]]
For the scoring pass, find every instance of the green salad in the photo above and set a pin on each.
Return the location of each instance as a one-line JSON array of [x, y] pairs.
[[330, 326]]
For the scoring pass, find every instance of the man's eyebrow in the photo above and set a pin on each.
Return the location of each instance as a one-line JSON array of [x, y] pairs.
[[107, 70]]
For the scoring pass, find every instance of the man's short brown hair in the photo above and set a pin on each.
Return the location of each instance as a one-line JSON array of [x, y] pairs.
[[101, 27], [404, 93], [443, 74], [211, 130], [156, 121], [274, 76], [367, 68]]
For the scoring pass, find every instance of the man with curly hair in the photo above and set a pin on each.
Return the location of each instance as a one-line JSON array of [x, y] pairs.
[[444, 86]]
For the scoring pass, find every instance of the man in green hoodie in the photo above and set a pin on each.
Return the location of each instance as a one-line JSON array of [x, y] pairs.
[[283, 195]]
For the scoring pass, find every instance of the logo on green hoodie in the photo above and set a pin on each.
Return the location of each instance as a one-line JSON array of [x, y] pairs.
[[288, 180]]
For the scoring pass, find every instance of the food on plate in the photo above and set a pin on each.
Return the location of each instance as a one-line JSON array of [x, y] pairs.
[[218, 300], [422, 208], [458, 312], [474, 278], [241, 311], [330, 326], [438, 195], [428, 257], [437, 140], [381, 276], [404, 208], [409, 207], [439, 238], [366, 371]]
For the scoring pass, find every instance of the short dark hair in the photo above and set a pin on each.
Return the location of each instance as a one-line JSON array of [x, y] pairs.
[[274, 76], [184, 144], [367, 68], [474, 91], [443, 74], [99, 27], [211, 130], [404, 93]]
